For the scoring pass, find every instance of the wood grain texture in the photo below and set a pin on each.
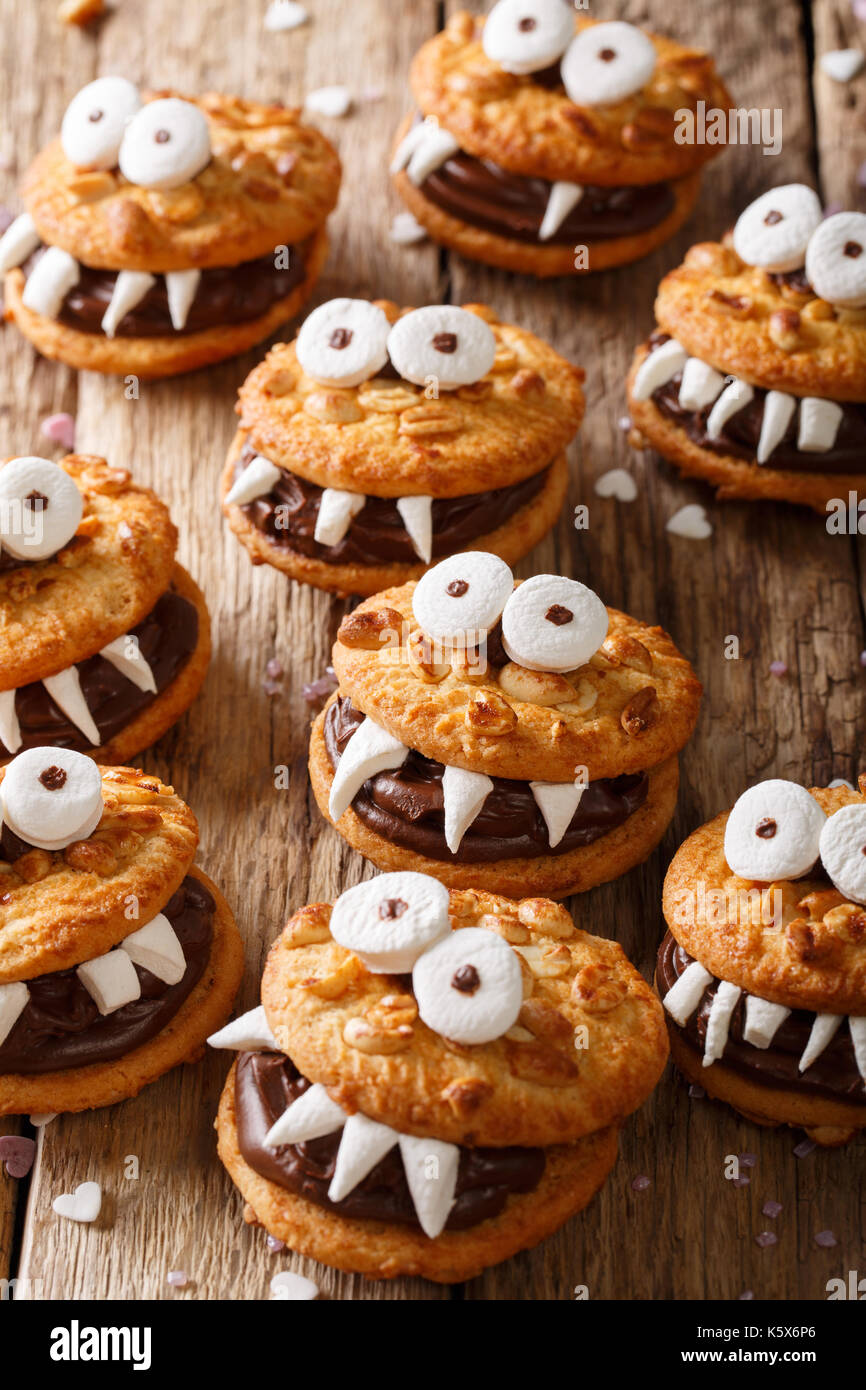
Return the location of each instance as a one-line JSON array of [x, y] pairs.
[[770, 576]]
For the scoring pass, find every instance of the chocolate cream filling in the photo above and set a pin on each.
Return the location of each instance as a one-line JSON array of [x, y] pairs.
[[407, 806], [61, 1027], [741, 432], [267, 1082], [377, 533], [834, 1073], [167, 637]]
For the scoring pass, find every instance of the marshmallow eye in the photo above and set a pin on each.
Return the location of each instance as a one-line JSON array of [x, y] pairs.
[[527, 35], [165, 145], [773, 231], [343, 342], [553, 624], [836, 260], [459, 600], [40, 508], [52, 796], [391, 920], [773, 832], [843, 851], [607, 63], [469, 987], [94, 122], [444, 344]]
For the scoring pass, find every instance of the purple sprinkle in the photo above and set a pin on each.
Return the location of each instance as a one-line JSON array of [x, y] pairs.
[[748, 1160], [742, 1181], [771, 1209], [766, 1239], [275, 1244], [641, 1183], [859, 9], [860, 176], [778, 668], [271, 687], [696, 1092], [178, 1278], [826, 1240], [317, 692], [624, 423], [863, 658], [804, 1148], [60, 429], [746, 1297], [274, 668], [18, 1154]]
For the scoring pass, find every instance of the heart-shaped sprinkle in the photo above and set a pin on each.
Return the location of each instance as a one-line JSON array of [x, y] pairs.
[[842, 63], [289, 1287], [60, 429], [618, 483], [18, 1154], [83, 1204], [691, 522]]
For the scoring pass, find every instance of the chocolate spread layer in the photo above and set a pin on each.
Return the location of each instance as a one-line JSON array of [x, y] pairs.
[[407, 806], [167, 637], [61, 1027], [377, 533], [742, 431], [833, 1074], [267, 1082]]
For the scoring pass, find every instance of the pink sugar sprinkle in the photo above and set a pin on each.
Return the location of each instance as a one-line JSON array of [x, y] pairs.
[[624, 423], [60, 429], [696, 1092], [18, 1153], [274, 668], [826, 1239], [178, 1278], [275, 1245], [748, 1160], [804, 1148], [778, 668], [860, 176], [771, 1209], [641, 1183], [863, 658], [859, 9], [746, 1297], [742, 1181], [766, 1239], [317, 692]]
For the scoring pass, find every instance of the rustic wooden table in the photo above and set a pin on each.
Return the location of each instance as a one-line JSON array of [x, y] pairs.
[[770, 575]]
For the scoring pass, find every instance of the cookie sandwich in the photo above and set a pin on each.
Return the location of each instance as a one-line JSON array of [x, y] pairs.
[[763, 970], [382, 439], [117, 955], [434, 1080], [104, 638], [547, 143], [755, 378], [512, 737], [162, 234]]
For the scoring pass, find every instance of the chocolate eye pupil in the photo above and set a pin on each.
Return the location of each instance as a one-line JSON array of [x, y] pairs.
[[96, 115], [162, 137], [457, 588], [607, 55], [559, 615], [36, 501], [526, 25], [391, 908], [445, 342], [53, 778], [852, 250], [340, 338], [466, 979], [766, 828], [772, 218]]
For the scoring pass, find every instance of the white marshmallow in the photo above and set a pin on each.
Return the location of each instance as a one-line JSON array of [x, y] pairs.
[[778, 244], [343, 342], [49, 282], [592, 78], [181, 286], [13, 999], [84, 1204], [763, 1020], [823, 1031], [65, 690], [684, 996], [311, 1116], [130, 287], [155, 947], [337, 510], [249, 1033], [691, 522], [364, 1143], [423, 149], [836, 260], [18, 241], [773, 832], [857, 1027], [33, 530], [257, 479], [284, 14], [389, 921], [431, 1168], [94, 122], [110, 980], [557, 802], [563, 197], [10, 729], [370, 750], [165, 145], [46, 815], [842, 63], [719, 1021], [464, 794], [417, 517], [618, 483], [125, 657], [842, 847], [553, 624], [658, 368], [479, 585], [701, 384], [778, 410], [443, 342], [527, 35], [490, 995], [819, 425], [736, 395], [329, 101]]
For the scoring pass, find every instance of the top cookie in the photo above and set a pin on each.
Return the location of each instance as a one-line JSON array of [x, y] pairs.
[[536, 128], [390, 437], [578, 1047], [264, 179]]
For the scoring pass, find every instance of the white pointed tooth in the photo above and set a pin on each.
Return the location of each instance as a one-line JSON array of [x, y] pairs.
[[65, 691], [50, 281], [257, 479], [17, 242], [336, 511], [819, 425], [735, 396], [368, 751], [464, 794], [857, 1026], [763, 1020], [432, 150], [130, 287], [249, 1033], [824, 1029], [557, 802], [408, 145], [719, 1021], [156, 947], [701, 384], [684, 997], [13, 999], [778, 409], [311, 1116], [110, 980], [181, 287], [125, 657], [363, 1144], [658, 368], [417, 516], [563, 197], [10, 730], [431, 1167]]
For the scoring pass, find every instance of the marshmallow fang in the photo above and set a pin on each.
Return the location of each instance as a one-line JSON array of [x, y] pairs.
[[364, 1143], [778, 410], [50, 281], [464, 794], [311, 1116], [417, 516], [763, 1020], [431, 1167], [257, 480], [857, 1027], [819, 425], [428, 153], [13, 999], [823, 1031], [563, 197], [155, 947], [249, 1033], [125, 657], [19, 240], [337, 510], [684, 997], [658, 368], [558, 803], [719, 1021], [700, 385], [735, 397], [10, 729], [181, 287], [130, 287], [370, 750], [110, 980], [65, 691]]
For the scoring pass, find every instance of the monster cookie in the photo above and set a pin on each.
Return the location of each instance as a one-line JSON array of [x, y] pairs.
[[163, 234], [763, 970], [104, 638], [382, 439], [756, 376], [117, 956], [434, 1080], [501, 736], [547, 143]]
